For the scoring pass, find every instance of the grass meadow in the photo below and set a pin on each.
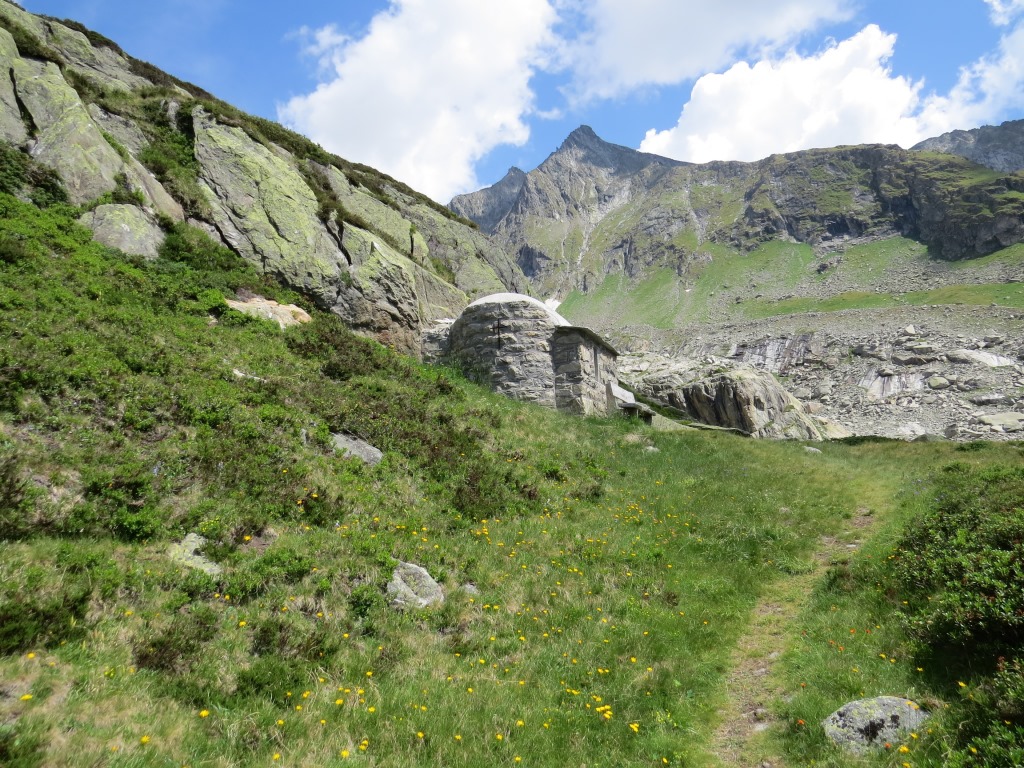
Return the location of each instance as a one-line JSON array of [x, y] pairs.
[[599, 575]]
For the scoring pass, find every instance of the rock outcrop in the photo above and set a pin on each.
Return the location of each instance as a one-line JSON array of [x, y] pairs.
[[724, 394], [12, 126], [68, 140], [386, 259], [999, 147], [265, 211]]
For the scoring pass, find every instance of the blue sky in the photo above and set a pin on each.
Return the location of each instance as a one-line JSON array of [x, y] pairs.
[[446, 95]]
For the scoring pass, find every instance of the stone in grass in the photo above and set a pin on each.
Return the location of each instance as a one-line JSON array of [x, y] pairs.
[[411, 586], [354, 447], [871, 723], [185, 553]]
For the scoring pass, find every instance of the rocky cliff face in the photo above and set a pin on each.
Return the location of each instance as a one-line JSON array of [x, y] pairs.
[[488, 206], [116, 130], [999, 147]]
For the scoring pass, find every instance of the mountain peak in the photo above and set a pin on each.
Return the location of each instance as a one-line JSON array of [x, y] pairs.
[[583, 136]]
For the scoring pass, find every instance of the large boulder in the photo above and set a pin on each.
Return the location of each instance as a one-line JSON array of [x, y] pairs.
[[867, 724], [125, 227], [285, 315], [725, 394]]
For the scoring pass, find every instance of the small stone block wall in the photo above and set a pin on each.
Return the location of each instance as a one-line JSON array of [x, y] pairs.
[[582, 367]]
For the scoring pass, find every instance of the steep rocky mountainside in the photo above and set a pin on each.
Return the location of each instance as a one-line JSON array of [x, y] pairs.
[[594, 209], [999, 147], [791, 264], [133, 144]]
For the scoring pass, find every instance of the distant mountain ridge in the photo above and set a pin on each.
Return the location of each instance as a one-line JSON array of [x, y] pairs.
[[592, 208], [999, 147]]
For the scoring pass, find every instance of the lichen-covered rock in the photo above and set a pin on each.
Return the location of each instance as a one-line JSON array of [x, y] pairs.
[[186, 553], [68, 140], [12, 128], [387, 296], [126, 131], [411, 586], [125, 227], [102, 64], [427, 237], [358, 449], [265, 210], [871, 723]]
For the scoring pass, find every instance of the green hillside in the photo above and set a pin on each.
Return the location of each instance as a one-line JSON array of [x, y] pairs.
[[620, 573]]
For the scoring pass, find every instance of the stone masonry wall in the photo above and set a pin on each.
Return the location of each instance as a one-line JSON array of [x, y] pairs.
[[506, 346], [581, 369]]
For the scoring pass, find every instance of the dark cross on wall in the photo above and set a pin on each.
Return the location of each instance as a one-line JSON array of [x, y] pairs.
[[497, 331]]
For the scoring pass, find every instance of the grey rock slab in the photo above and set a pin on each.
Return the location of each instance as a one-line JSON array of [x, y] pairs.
[[988, 359], [68, 140], [867, 724], [1011, 421], [411, 586], [355, 448], [125, 131], [12, 128], [185, 551], [125, 227]]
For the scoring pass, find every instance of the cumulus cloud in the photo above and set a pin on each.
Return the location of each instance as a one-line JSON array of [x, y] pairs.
[[664, 42], [985, 91], [1004, 11], [429, 89], [846, 94]]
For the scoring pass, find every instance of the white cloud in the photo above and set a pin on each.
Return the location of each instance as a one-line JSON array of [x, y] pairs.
[[843, 95], [985, 92], [431, 88], [1004, 11], [846, 94], [631, 43]]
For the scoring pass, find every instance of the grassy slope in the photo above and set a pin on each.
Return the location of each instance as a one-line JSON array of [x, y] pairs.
[[613, 579], [664, 301]]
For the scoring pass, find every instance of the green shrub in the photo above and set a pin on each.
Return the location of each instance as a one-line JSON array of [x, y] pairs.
[[271, 677], [15, 502], [365, 601], [962, 564], [44, 616], [22, 744], [174, 648]]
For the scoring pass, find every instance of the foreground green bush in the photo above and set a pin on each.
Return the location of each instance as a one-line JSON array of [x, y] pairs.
[[959, 568]]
